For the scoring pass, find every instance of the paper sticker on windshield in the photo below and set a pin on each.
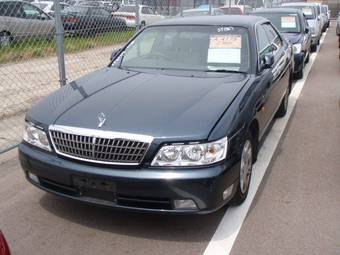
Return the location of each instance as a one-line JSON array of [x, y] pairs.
[[224, 56], [288, 22], [225, 49], [225, 42], [307, 11]]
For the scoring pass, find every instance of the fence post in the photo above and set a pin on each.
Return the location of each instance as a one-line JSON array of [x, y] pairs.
[[137, 15], [60, 42]]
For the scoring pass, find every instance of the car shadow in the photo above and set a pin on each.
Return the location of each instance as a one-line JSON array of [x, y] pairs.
[[180, 228]]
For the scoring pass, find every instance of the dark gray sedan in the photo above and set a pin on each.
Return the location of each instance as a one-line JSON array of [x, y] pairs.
[[294, 27], [173, 125]]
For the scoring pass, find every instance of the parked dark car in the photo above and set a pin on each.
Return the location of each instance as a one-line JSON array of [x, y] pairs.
[[294, 27], [173, 125], [4, 250], [89, 20]]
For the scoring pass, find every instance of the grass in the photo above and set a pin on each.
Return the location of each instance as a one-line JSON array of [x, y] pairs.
[[39, 48]]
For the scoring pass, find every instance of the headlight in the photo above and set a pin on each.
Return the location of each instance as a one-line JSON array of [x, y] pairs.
[[36, 137], [191, 154], [297, 48]]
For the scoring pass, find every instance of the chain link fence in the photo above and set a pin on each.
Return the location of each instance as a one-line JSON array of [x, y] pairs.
[[45, 44]]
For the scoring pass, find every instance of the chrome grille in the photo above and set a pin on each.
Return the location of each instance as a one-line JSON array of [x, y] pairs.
[[95, 148]]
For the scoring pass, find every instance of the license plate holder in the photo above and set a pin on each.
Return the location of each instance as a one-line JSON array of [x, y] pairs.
[[85, 183]]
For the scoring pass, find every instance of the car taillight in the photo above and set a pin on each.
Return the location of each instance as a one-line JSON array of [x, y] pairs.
[[71, 20], [4, 250], [130, 17]]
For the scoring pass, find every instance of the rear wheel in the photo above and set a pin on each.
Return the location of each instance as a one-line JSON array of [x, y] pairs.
[[299, 75], [313, 48], [5, 39], [307, 59], [281, 112], [246, 167]]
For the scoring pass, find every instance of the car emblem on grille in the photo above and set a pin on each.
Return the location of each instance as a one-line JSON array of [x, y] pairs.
[[101, 119]]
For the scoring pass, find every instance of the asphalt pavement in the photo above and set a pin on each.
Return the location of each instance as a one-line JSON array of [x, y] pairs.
[[295, 211]]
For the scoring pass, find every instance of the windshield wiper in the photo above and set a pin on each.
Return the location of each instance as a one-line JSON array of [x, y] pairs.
[[224, 71]]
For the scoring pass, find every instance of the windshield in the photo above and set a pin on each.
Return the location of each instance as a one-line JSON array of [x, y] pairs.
[[195, 13], [200, 48], [285, 23], [127, 9], [308, 11]]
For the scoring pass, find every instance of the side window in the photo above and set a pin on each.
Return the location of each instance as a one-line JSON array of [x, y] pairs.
[[262, 39], [32, 12], [10, 9], [104, 13], [151, 11], [145, 10], [273, 36]]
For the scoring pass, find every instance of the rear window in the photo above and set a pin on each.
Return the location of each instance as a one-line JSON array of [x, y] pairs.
[[195, 13], [40, 5], [285, 23], [232, 10], [308, 11], [127, 9], [82, 10]]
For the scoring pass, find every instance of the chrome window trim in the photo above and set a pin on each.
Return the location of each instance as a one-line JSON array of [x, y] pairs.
[[95, 133]]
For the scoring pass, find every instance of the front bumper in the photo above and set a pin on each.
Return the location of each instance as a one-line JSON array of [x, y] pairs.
[[135, 189]]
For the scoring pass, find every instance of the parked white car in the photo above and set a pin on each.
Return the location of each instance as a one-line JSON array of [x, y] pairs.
[[315, 22], [147, 15]]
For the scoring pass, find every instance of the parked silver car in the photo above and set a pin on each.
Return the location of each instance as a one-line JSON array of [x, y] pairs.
[[20, 20]]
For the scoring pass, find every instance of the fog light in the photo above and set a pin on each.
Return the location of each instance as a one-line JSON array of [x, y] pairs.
[[185, 204], [33, 177], [227, 193]]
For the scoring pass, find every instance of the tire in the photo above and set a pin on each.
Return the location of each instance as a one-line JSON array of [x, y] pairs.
[[142, 24], [307, 59], [313, 48], [281, 112], [246, 167], [5, 39], [299, 75]]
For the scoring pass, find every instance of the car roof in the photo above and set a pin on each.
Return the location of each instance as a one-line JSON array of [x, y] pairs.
[[220, 20], [278, 10], [300, 4], [199, 9]]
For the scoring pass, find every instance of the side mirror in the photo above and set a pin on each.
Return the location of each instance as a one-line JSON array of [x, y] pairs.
[[306, 30], [114, 54], [267, 61]]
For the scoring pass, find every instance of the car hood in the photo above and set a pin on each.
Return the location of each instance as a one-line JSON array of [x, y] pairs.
[[162, 106], [293, 37]]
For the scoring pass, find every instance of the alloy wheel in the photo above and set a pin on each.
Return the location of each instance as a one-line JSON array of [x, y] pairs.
[[246, 166]]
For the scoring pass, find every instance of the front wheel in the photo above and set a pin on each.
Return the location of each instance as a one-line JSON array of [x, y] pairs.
[[246, 167]]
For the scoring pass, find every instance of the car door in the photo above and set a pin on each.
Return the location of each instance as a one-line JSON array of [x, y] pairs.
[[307, 35], [40, 23], [280, 70], [265, 77], [272, 81]]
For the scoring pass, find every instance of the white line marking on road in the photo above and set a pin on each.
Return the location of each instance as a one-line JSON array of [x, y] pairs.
[[231, 223]]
